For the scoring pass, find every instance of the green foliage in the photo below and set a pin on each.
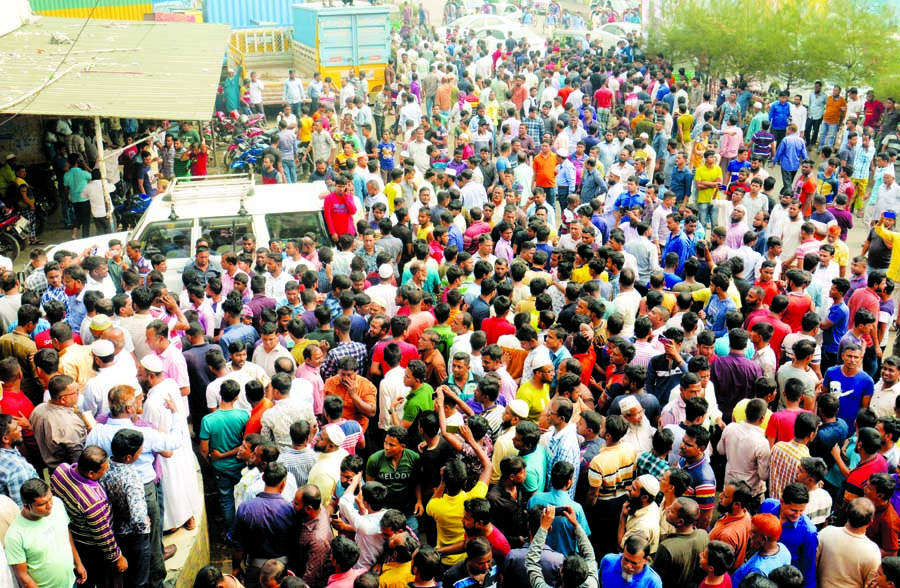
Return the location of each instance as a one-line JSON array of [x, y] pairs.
[[843, 41]]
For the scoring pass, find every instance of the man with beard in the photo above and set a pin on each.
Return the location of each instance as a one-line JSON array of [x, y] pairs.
[[640, 514], [515, 413], [790, 229], [733, 526], [630, 569], [478, 568], [761, 228], [327, 472], [734, 237], [640, 432]]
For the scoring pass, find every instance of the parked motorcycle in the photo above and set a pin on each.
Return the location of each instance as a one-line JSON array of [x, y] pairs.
[[43, 182], [129, 209], [14, 232]]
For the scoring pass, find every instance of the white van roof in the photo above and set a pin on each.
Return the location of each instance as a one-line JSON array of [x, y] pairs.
[[225, 194]]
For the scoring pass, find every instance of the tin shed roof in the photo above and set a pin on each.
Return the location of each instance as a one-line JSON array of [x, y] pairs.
[[135, 69]]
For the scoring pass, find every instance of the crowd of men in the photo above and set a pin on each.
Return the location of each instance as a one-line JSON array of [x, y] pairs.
[[566, 336]]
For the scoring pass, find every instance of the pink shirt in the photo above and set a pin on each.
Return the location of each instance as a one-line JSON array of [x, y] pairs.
[[730, 141], [228, 282], [311, 375], [344, 580]]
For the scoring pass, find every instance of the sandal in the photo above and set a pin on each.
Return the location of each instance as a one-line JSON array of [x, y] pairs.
[[38, 242], [191, 524]]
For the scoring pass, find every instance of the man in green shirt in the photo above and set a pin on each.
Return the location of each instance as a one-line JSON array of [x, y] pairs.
[[221, 434], [399, 470], [76, 179], [418, 399], [527, 443], [182, 163]]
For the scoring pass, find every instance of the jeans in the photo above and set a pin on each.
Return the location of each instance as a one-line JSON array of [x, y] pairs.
[[290, 170], [68, 212], [562, 194], [379, 125], [99, 569], [787, 177], [83, 217], [429, 105], [551, 196], [153, 496], [812, 130], [225, 482], [779, 135], [136, 549], [102, 225], [705, 211], [829, 132], [413, 523], [295, 109]]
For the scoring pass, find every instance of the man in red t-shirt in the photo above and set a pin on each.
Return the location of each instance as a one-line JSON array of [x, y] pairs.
[[873, 110], [805, 186], [868, 297], [16, 404], [776, 310], [339, 208], [399, 330], [496, 326]]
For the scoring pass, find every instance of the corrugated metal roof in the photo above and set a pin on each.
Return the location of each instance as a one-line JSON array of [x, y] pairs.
[[139, 69]]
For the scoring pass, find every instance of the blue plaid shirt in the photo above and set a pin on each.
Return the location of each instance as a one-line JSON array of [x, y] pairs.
[[352, 349], [14, 471], [535, 128], [58, 294], [563, 446]]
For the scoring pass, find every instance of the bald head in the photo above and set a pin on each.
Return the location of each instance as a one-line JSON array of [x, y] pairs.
[[116, 336]]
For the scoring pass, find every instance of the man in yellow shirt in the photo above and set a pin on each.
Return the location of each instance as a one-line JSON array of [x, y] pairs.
[[447, 506], [536, 391], [304, 135], [708, 177], [884, 230]]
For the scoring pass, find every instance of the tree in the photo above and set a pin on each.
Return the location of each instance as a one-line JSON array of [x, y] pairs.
[[847, 41]]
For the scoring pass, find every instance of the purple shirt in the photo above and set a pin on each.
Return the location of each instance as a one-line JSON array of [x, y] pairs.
[[732, 377], [90, 518], [503, 250], [264, 526], [844, 220]]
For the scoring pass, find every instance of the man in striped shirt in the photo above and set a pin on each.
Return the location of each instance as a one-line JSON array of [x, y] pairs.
[[90, 517], [611, 473], [703, 480]]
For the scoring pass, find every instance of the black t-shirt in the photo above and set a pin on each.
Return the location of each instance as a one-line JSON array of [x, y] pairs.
[[879, 253], [432, 461], [371, 145]]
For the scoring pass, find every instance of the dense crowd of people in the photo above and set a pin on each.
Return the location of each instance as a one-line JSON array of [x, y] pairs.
[[562, 330]]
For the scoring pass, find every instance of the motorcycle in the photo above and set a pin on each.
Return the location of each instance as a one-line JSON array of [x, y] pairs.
[[129, 209], [253, 143], [43, 182], [14, 231]]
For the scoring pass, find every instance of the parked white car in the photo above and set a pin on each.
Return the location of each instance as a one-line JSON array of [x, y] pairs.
[[500, 33], [473, 21], [221, 209]]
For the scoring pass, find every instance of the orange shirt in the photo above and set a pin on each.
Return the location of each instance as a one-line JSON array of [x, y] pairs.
[[364, 388], [833, 110], [544, 170], [254, 425], [735, 531]]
